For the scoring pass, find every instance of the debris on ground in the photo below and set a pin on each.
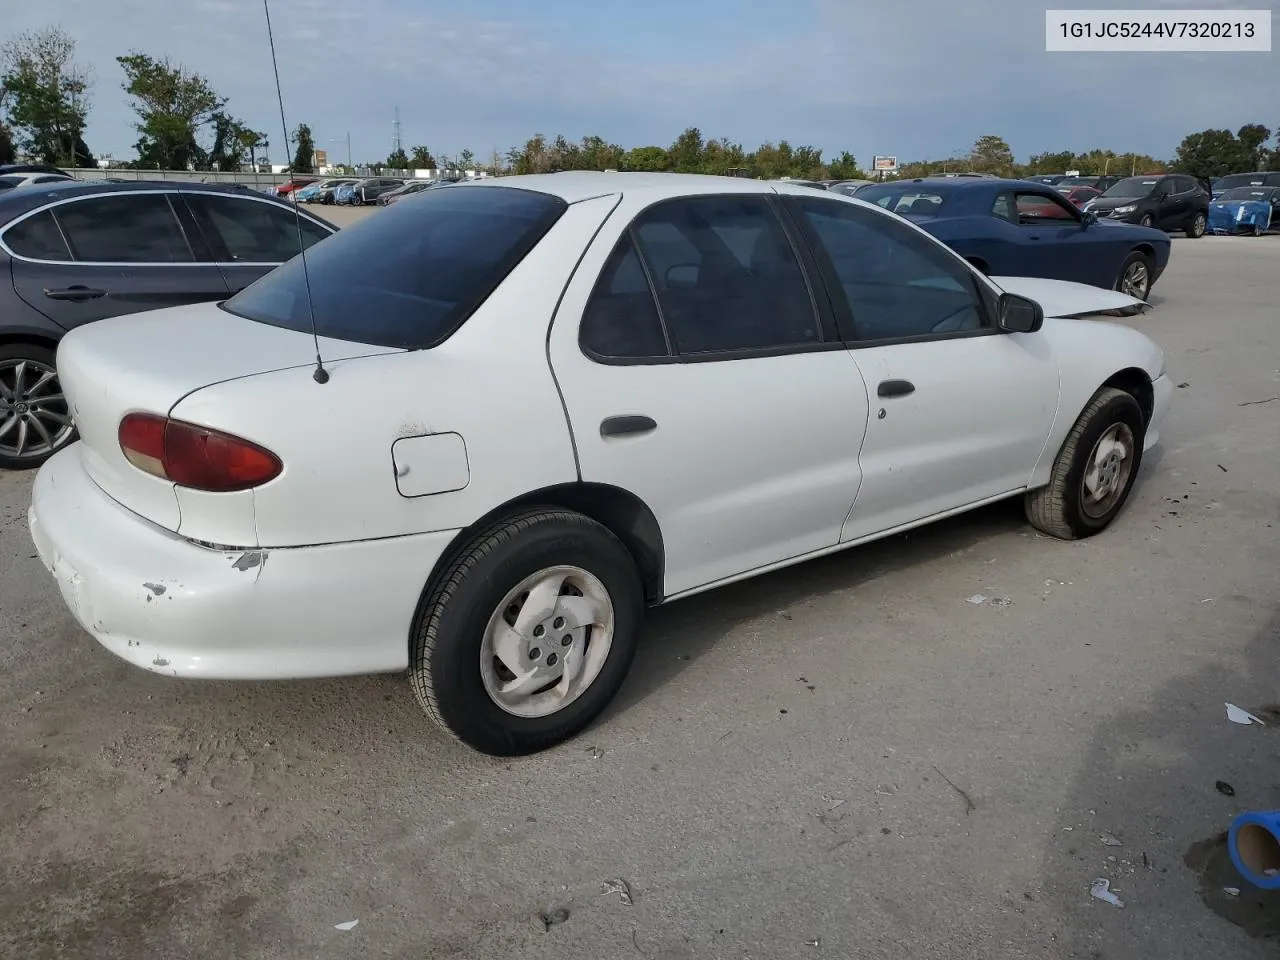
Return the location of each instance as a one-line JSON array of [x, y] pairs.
[[1236, 715], [1231, 891], [1100, 889], [977, 599], [552, 917], [621, 888], [813, 942], [1224, 788], [1109, 840], [595, 753], [346, 925], [1001, 602]]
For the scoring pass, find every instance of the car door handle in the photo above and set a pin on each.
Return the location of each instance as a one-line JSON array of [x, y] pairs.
[[627, 426], [895, 388], [74, 293]]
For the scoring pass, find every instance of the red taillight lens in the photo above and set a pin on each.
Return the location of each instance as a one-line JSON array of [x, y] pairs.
[[193, 456]]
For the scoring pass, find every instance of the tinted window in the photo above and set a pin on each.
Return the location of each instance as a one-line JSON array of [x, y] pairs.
[[8, 183], [1003, 207], [621, 319], [1240, 180], [1034, 208], [1248, 193], [409, 276], [38, 238], [727, 276], [897, 283], [253, 231], [1136, 187], [50, 180], [912, 198], [125, 228]]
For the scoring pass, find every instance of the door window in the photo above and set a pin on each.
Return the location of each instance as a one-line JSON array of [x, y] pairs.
[[621, 319], [252, 231], [897, 283], [1003, 208], [37, 238], [1035, 208], [124, 228], [727, 275]]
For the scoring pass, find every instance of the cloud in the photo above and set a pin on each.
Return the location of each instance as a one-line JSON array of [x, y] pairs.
[[915, 78]]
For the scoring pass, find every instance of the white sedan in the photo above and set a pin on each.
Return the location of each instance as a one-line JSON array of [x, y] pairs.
[[541, 404]]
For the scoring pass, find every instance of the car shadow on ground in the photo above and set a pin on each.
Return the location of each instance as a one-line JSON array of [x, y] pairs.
[[1153, 799]]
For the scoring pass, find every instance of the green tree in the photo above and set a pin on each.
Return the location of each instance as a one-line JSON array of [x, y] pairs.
[[398, 160], [231, 141], [1211, 153], [844, 167], [646, 159], [467, 159], [172, 104], [1049, 163], [420, 158], [1253, 139], [686, 153], [304, 157], [990, 154], [46, 93]]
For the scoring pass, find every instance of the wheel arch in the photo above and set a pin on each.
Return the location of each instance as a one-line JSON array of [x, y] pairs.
[[40, 338], [624, 514], [1135, 382]]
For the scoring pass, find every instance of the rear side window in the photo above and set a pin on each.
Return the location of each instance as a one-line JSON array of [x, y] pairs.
[[37, 238], [124, 228], [621, 319], [250, 231], [410, 276]]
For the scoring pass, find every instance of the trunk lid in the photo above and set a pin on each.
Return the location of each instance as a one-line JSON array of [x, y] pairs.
[[147, 363], [1064, 298]]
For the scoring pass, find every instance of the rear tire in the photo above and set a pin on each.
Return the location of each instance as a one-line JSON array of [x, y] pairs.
[[1091, 480], [1135, 276], [35, 419], [588, 605], [1196, 226]]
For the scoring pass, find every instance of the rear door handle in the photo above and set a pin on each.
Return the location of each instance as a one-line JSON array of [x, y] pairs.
[[895, 388], [74, 293], [627, 426]]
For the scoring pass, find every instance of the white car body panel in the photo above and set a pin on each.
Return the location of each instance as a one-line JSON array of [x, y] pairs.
[[756, 463], [1064, 298], [972, 429]]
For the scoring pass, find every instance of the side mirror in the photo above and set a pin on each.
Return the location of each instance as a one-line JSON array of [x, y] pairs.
[[682, 276], [1017, 314], [1088, 218]]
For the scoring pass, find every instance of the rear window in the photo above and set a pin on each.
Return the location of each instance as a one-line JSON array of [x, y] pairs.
[[914, 198], [410, 275], [1240, 180]]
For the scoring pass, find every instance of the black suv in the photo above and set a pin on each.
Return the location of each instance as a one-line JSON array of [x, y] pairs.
[[79, 252], [1166, 201]]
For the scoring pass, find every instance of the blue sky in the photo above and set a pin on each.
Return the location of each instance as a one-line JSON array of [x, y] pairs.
[[915, 78]]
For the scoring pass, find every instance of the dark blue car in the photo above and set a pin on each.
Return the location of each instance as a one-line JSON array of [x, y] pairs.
[[1017, 228]]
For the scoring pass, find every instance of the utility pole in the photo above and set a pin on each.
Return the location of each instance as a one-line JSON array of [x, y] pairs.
[[395, 132]]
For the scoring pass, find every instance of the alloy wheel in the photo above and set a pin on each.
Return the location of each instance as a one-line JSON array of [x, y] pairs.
[[34, 417]]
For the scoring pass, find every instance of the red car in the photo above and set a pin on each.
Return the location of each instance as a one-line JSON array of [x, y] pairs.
[[1079, 196], [292, 184]]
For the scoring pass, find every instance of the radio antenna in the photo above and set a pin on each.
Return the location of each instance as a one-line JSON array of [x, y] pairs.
[[320, 375]]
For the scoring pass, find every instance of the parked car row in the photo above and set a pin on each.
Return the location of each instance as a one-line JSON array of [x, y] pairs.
[[826, 373], [79, 252]]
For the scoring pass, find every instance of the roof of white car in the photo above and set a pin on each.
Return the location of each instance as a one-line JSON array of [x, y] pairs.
[[576, 185]]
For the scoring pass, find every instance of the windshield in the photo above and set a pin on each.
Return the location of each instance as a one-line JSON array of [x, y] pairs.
[[1247, 193], [410, 276], [913, 198], [1239, 180], [1077, 182], [1136, 187]]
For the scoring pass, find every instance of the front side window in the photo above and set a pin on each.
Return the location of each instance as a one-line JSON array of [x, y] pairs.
[[410, 276], [124, 228], [38, 238], [726, 274], [897, 283], [1034, 208], [250, 231]]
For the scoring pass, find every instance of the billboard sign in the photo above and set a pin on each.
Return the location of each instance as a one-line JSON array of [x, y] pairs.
[[885, 164]]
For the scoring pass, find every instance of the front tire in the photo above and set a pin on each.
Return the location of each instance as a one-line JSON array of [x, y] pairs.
[[1135, 275], [1196, 227], [35, 419], [1094, 471], [528, 634], [1147, 220]]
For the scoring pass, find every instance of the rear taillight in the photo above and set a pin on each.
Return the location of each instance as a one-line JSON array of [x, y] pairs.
[[193, 456]]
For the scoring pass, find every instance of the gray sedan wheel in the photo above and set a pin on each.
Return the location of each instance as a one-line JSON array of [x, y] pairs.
[[35, 420]]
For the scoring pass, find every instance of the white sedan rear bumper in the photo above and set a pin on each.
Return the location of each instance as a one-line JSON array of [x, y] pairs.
[[175, 607]]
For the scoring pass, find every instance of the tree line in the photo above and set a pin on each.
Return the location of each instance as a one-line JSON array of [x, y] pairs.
[[182, 123]]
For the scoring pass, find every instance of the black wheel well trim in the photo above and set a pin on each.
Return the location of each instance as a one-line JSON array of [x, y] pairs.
[[33, 337], [1147, 249], [621, 512], [1137, 383]]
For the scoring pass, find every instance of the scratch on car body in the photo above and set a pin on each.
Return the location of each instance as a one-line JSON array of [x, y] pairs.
[[157, 589]]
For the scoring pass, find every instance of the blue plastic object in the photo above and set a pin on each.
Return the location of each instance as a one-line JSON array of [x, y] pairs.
[[1254, 845]]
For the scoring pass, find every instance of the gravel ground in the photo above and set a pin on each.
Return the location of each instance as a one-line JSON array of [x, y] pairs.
[[845, 759]]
